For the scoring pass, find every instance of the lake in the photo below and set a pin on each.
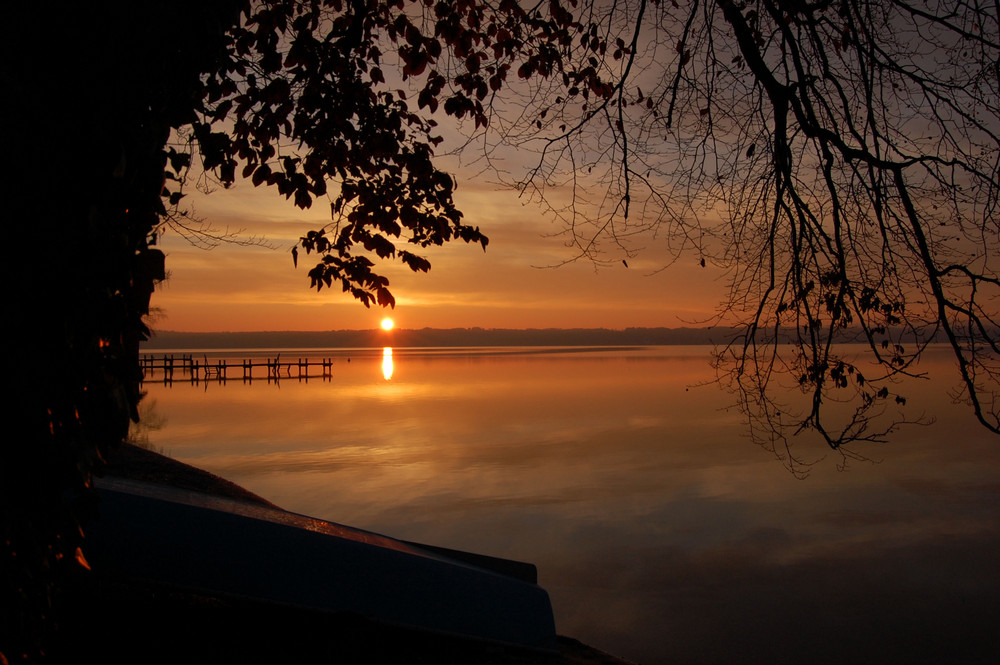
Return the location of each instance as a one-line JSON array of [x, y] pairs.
[[660, 531]]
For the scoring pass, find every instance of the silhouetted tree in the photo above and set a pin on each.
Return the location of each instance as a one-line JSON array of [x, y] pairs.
[[91, 92], [342, 94], [837, 158]]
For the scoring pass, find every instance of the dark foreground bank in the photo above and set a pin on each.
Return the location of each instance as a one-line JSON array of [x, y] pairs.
[[139, 623]]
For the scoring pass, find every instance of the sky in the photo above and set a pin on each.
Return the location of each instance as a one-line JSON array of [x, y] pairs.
[[517, 282]]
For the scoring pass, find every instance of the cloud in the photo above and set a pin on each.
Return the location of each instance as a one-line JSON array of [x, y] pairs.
[[252, 288]]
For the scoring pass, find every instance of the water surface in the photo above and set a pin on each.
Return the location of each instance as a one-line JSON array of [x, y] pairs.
[[661, 533]]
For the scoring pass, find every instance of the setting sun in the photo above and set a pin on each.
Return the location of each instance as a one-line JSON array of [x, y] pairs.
[[387, 324]]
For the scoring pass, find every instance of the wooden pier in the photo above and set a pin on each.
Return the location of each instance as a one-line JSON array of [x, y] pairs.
[[167, 368]]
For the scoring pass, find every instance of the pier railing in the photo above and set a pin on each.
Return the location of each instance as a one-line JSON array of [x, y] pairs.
[[188, 368]]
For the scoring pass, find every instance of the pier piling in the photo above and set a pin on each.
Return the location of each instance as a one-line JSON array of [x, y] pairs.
[[166, 368]]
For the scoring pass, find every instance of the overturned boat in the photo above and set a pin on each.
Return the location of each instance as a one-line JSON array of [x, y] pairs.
[[223, 547]]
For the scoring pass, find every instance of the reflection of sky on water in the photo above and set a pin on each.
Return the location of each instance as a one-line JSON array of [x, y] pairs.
[[659, 531]]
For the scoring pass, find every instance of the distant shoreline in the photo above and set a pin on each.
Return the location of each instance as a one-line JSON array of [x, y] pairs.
[[466, 337], [439, 337]]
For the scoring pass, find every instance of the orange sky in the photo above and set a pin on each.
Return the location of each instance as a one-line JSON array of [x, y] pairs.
[[233, 288]]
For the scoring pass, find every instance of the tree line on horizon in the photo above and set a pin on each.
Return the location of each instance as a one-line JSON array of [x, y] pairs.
[[459, 337], [436, 337]]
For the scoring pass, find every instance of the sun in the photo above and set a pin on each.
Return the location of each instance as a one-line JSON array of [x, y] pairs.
[[387, 324]]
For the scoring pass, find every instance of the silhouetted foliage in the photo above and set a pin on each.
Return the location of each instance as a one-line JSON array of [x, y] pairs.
[[342, 93], [304, 101], [837, 159]]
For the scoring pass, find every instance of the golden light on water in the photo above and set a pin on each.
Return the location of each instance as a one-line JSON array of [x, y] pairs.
[[387, 358], [387, 324]]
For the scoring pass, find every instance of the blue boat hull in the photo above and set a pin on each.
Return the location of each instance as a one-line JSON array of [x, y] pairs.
[[207, 544]]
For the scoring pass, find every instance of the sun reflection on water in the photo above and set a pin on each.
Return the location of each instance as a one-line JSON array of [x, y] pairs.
[[387, 362]]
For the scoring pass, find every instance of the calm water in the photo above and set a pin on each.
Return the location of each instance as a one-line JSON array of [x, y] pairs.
[[661, 533]]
